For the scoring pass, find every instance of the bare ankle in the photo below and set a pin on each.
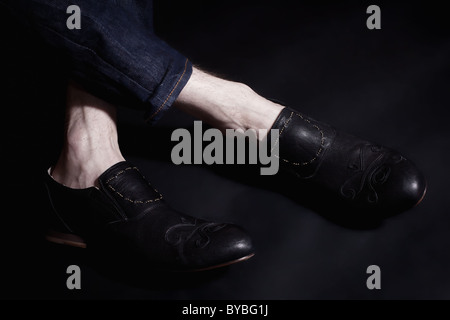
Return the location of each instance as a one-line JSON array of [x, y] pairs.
[[81, 169], [226, 104], [91, 142]]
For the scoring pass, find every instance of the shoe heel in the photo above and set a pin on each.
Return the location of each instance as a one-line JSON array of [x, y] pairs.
[[67, 239]]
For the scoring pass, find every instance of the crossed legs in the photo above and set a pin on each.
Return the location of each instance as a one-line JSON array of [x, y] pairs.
[[91, 139]]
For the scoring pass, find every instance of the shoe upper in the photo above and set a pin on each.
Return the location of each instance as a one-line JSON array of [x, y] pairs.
[[125, 210], [360, 173]]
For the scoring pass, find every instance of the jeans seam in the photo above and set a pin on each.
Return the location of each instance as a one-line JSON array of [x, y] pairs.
[[171, 92]]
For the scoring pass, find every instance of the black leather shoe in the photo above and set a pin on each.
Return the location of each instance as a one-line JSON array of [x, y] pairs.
[[125, 210], [361, 174]]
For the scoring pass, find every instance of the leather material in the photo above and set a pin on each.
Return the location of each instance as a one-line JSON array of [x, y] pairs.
[[126, 210], [360, 173], [315, 137]]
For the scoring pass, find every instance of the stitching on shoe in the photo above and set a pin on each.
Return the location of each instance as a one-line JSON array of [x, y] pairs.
[[281, 132], [319, 151], [126, 198]]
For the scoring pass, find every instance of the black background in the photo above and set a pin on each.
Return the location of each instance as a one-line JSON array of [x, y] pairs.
[[390, 86]]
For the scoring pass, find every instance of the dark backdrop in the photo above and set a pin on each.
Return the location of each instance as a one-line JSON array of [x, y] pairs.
[[390, 86]]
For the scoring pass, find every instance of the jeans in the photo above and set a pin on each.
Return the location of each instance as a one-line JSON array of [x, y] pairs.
[[115, 55]]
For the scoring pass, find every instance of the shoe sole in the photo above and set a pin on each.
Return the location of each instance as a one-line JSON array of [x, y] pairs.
[[225, 264], [73, 240], [423, 196], [67, 239]]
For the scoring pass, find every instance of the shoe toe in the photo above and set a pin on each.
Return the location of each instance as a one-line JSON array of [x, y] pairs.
[[222, 245], [234, 242], [405, 187]]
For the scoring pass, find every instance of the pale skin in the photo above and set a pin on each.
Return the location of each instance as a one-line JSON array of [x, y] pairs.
[[91, 140]]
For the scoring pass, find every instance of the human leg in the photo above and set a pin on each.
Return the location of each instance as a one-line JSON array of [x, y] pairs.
[[226, 104], [341, 167], [115, 55], [96, 197], [90, 142]]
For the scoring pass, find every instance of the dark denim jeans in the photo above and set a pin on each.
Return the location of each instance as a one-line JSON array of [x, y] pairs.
[[115, 55]]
